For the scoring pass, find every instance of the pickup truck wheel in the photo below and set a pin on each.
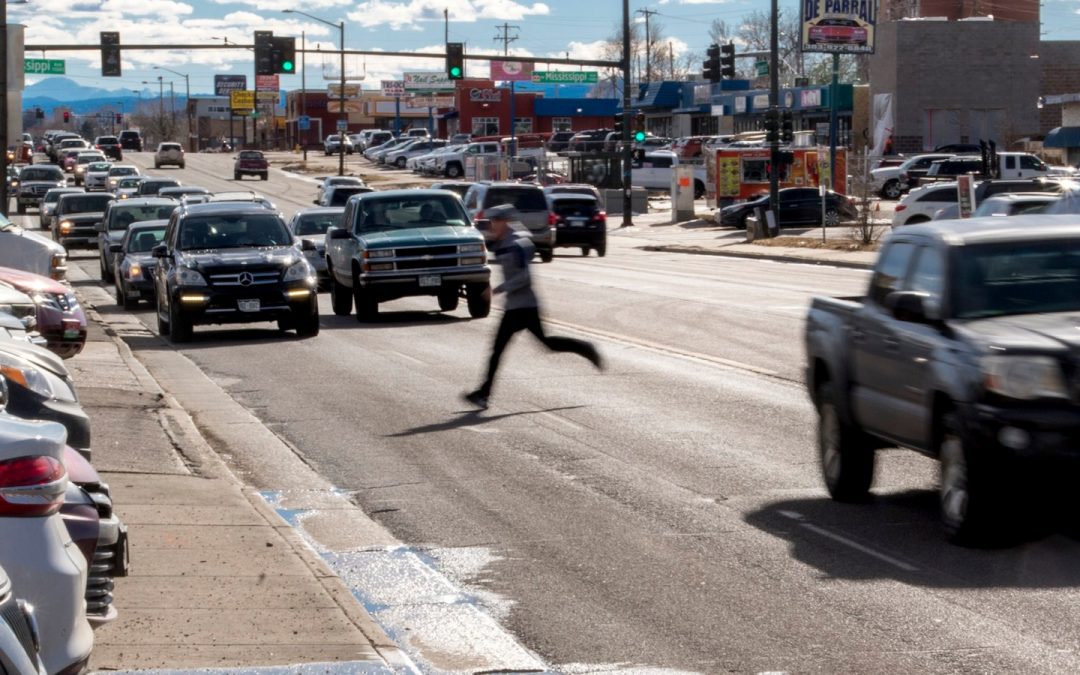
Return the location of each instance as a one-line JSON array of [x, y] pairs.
[[105, 276], [21, 208], [162, 324], [585, 251], [308, 326], [891, 190], [453, 170], [367, 307], [547, 255], [448, 300], [832, 218], [124, 300], [340, 297], [972, 489], [847, 458], [478, 297], [237, 175], [699, 190], [264, 175], [601, 248], [179, 325]]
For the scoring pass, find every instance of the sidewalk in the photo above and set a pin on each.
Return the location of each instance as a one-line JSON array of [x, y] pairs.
[[218, 579]]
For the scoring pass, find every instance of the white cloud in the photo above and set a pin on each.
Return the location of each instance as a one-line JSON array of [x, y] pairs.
[[278, 5], [399, 15], [694, 2]]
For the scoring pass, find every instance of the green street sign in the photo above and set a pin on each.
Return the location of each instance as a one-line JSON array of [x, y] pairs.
[[761, 68], [43, 66], [565, 77]]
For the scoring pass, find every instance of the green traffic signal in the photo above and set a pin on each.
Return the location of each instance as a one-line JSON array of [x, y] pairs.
[[455, 72], [639, 136], [287, 66]]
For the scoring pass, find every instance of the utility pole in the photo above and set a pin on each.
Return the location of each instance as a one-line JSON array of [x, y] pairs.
[[506, 39], [5, 198], [303, 89], [446, 25], [671, 58], [648, 42], [626, 150], [774, 109]]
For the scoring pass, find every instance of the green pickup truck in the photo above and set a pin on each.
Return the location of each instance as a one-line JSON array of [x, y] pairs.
[[401, 243]]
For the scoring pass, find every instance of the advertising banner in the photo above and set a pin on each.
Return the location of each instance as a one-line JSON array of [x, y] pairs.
[[838, 26], [427, 81], [242, 100], [393, 87], [267, 83], [479, 95], [224, 84], [351, 90], [507, 71]]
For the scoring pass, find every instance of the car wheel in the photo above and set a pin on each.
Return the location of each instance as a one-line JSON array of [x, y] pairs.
[[264, 176], [845, 454], [891, 190], [182, 165], [915, 220], [601, 248], [162, 324], [478, 298], [367, 307], [972, 489], [448, 300], [453, 170], [308, 326], [105, 276], [832, 217], [156, 165], [699, 190], [237, 176], [340, 297], [585, 251], [400, 163], [124, 300], [180, 329], [546, 255]]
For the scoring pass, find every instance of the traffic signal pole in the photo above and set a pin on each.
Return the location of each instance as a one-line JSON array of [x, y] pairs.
[[5, 198], [774, 110], [627, 151]]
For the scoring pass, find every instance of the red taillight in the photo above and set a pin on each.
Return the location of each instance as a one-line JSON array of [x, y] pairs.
[[601, 216], [552, 219], [899, 208], [31, 486]]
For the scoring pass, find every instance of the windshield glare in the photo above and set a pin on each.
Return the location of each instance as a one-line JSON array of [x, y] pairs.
[[1018, 278], [144, 240], [233, 231], [435, 211], [123, 216], [317, 223]]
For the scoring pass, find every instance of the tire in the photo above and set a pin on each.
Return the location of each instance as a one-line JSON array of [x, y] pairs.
[[308, 326], [699, 190], [400, 163], [891, 190], [162, 325], [478, 298], [105, 276], [453, 170], [264, 176], [547, 255], [124, 301], [367, 307], [601, 248], [341, 298], [973, 493], [448, 300], [180, 329], [21, 208], [832, 218], [845, 455], [182, 165], [584, 251], [237, 176]]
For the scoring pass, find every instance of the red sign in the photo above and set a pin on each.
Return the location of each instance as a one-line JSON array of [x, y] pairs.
[[266, 83], [511, 70]]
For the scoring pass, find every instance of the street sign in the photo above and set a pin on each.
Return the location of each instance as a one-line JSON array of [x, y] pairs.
[[565, 77], [393, 88], [43, 66], [303, 123], [223, 84], [432, 101], [352, 90], [761, 68], [241, 100], [343, 125]]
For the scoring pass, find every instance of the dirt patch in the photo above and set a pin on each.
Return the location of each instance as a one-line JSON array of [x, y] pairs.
[[810, 242]]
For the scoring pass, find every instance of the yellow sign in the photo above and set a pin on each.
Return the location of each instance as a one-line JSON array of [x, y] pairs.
[[242, 100], [727, 171]]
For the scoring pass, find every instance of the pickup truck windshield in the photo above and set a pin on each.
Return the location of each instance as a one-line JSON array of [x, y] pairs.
[[41, 174], [233, 231], [433, 211], [1018, 278], [317, 223], [70, 204]]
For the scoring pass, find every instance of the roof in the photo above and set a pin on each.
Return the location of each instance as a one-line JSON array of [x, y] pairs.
[[147, 201], [225, 207], [998, 230], [566, 196], [321, 210], [410, 193], [1063, 137], [148, 225], [658, 95]]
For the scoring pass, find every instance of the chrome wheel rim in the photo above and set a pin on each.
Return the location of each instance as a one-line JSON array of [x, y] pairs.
[[832, 218], [954, 481], [830, 444]]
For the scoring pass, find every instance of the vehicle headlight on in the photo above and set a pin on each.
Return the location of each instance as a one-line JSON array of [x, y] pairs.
[[380, 253], [298, 272], [24, 374], [185, 276], [1024, 377], [471, 248], [135, 271], [65, 226]]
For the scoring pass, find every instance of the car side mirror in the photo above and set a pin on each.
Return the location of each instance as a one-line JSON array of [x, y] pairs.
[[913, 306], [116, 248], [484, 225], [338, 233], [160, 251], [307, 245], [314, 201]]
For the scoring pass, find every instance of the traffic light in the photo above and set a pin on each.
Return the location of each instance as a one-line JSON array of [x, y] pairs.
[[283, 55], [639, 128], [787, 128], [727, 61], [711, 68], [39, 114], [119, 118], [455, 60], [264, 52], [110, 54], [67, 117], [772, 125]]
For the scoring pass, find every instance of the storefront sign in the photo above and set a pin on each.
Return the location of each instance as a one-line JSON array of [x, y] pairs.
[[507, 71], [740, 105], [485, 95], [432, 101], [267, 83], [241, 100], [702, 93], [838, 26], [224, 84], [351, 91], [393, 88], [565, 77], [427, 81], [810, 98], [761, 102]]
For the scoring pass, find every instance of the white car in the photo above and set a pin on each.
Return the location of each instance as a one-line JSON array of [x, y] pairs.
[[169, 154], [46, 566], [332, 144], [921, 203], [29, 251], [97, 176], [400, 157], [18, 633], [117, 172], [84, 159], [335, 180], [426, 163], [886, 181]]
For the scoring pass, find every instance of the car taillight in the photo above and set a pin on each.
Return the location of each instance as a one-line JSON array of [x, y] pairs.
[[479, 215], [601, 216], [899, 208], [552, 218], [31, 486]]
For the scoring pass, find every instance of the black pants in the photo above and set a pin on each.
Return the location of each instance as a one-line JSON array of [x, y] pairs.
[[528, 318]]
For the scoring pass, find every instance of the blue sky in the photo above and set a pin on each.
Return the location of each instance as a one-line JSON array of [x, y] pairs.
[[550, 27]]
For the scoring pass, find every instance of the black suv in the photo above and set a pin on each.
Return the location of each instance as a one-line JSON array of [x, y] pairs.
[[949, 169], [110, 147], [131, 140], [232, 263], [579, 221]]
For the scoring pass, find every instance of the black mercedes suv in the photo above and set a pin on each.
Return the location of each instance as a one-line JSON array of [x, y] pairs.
[[232, 262]]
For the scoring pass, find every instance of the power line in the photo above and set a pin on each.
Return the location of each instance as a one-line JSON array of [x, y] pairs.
[[506, 38], [648, 42]]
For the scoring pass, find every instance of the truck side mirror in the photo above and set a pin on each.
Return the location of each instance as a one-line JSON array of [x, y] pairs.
[[99, 227], [307, 245], [338, 233], [160, 251], [116, 248], [913, 306]]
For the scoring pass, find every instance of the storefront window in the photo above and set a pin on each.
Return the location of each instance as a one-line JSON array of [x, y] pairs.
[[523, 125], [485, 126], [561, 124]]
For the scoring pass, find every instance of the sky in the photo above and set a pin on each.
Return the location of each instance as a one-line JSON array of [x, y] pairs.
[[543, 28]]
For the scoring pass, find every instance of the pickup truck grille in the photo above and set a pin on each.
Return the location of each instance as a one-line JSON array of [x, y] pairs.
[[425, 257]]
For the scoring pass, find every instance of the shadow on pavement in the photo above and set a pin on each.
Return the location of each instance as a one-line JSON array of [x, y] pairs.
[[898, 536], [473, 418], [390, 319]]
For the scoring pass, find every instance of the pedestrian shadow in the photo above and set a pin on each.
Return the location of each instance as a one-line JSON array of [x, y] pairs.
[[473, 418], [898, 536]]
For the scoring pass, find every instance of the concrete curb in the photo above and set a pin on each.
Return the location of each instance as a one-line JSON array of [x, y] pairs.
[[778, 257]]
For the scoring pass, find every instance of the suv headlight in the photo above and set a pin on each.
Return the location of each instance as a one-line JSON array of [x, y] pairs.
[[24, 374], [299, 271], [185, 276], [379, 253], [1024, 377]]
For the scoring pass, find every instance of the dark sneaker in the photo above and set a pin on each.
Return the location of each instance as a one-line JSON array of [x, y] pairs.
[[477, 399]]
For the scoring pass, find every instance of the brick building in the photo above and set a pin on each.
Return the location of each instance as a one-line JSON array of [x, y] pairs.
[[483, 109], [953, 10]]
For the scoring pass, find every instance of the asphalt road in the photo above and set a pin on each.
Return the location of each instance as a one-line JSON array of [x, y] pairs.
[[664, 513]]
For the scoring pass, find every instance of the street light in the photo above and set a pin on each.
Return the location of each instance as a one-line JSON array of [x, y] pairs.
[[344, 119], [187, 103], [161, 105]]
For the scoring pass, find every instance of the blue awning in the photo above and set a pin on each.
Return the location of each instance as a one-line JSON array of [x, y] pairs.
[[1063, 137], [658, 95], [575, 107]]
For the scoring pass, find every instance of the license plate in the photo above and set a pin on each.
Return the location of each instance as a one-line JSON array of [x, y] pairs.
[[71, 334], [576, 222], [248, 305], [431, 280]]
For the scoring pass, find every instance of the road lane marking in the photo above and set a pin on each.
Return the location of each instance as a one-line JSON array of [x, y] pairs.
[[841, 539], [573, 425]]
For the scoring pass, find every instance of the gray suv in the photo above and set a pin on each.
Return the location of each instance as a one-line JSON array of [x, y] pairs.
[[531, 205]]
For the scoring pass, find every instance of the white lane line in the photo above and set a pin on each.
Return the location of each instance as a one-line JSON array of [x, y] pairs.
[[409, 358], [841, 539], [480, 430], [573, 425]]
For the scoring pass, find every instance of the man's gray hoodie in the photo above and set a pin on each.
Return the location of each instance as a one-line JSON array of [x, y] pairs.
[[513, 253]]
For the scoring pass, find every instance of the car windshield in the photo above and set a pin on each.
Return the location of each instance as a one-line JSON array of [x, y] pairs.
[[522, 198], [408, 212], [1017, 278], [317, 223], [98, 166], [251, 154], [84, 203], [132, 182], [50, 174], [87, 159], [574, 207], [151, 187], [233, 230], [53, 196], [145, 239], [123, 171], [123, 215]]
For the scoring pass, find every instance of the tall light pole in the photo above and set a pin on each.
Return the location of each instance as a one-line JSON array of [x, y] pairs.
[[161, 106], [187, 104], [343, 120]]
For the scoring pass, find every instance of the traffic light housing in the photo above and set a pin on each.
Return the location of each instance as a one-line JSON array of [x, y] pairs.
[[787, 128], [727, 61], [639, 128], [711, 67], [455, 60], [264, 52], [67, 117], [772, 125], [110, 54], [283, 55], [119, 118]]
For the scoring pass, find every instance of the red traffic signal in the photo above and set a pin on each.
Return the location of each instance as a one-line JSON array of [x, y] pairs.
[[67, 116]]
